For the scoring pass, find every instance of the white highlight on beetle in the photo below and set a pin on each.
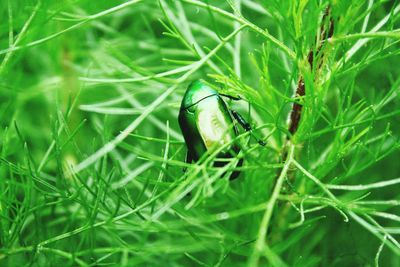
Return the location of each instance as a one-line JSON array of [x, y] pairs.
[[212, 125]]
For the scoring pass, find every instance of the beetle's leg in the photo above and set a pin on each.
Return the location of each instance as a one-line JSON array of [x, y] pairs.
[[236, 98], [246, 126], [188, 159]]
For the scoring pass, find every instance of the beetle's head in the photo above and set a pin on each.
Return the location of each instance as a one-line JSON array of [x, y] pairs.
[[196, 92]]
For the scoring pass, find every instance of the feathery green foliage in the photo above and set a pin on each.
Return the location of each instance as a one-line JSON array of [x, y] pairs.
[[92, 158]]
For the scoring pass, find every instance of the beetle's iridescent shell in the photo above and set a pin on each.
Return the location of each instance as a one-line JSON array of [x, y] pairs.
[[206, 122]]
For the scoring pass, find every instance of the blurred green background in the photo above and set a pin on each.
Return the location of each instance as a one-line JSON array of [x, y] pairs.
[[92, 155]]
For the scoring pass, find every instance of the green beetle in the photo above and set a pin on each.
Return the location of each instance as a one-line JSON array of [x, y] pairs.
[[207, 123]]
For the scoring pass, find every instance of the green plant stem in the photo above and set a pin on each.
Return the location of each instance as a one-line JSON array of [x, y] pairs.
[[263, 229], [370, 35]]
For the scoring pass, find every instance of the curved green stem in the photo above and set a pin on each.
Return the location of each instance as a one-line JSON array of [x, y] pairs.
[[261, 245]]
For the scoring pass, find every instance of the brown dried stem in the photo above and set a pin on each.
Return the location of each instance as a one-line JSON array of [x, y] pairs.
[[295, 115]]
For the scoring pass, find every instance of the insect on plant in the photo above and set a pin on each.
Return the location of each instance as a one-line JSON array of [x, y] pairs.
[[207, 123]]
